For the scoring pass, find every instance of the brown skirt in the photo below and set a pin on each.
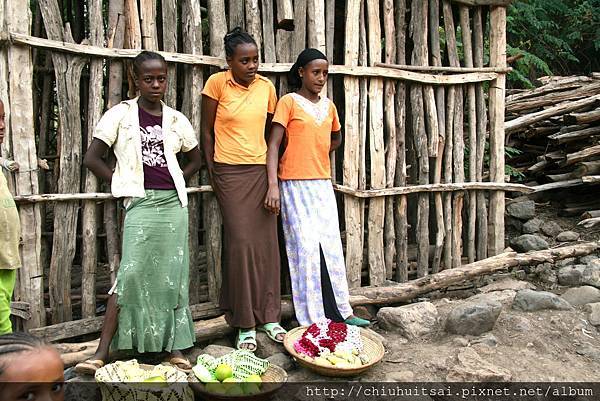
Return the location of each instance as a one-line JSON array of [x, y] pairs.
[[250, 290]]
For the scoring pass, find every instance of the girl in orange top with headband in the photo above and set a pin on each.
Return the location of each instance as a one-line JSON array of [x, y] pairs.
[[305, 195]]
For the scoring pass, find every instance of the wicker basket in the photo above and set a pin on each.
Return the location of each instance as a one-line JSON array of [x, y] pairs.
[[176, 390], [372, 347], [272, 380]]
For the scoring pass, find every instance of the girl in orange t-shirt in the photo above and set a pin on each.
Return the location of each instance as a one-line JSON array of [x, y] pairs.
[[237, 107], [305, 194]]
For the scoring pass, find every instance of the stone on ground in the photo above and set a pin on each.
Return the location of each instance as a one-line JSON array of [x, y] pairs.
[[411, 321], [473, 318], [282, 360], [588, 259], [567, 236], [488, 339], [402, 376], [265, 347], [217, 351], [472, 368], [582, 295], [532, 226], [506, 284], [530, 301], [522, 210], [504, 297], [593, 311], [591, 274], [529, 242], [367, 312], [571, 275], [550, 228], [565, 262]]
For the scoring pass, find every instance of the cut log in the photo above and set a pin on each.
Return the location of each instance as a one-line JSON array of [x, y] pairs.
[[589, 223], [581, 155], [217, 327], [574, 135], [583, 118], [285, 15], [566, 107]]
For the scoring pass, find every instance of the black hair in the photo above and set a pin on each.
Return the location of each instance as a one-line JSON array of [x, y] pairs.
[[305, 57], [145, 56], [15, 343], [237, 36]]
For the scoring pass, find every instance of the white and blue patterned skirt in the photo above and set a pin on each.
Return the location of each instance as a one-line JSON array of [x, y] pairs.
[[310, 224]]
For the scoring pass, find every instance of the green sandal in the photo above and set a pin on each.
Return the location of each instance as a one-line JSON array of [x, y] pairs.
[[356, 321], [246, 336], [272, 330]]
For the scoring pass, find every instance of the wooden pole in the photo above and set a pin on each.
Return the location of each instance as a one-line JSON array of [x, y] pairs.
[[418, 30], [169, 33], [377, 273], [68, 71], [116, 38], [390, 131], [30, 285], [481, 111], [352, 206], [218, 27], [236, 14], [89, 222], [299, 38], [466, 34], [496, 95], [400, 217], [434, 34], [192, 44], [316, 25], [148, 24], [253, 24]]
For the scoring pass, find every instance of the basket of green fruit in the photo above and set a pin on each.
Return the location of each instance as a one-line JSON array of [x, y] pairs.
[[239, 374], [334, 349], [132, 381]]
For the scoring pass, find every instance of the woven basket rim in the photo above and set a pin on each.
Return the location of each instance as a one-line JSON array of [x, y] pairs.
[[294, 334]]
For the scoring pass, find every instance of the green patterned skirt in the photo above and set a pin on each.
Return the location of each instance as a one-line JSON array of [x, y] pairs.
[[153, 278]]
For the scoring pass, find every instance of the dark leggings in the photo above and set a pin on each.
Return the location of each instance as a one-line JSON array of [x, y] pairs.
[[329, 304]]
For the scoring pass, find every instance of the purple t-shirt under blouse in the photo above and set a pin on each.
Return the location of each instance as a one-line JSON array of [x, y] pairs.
[[156, 174]]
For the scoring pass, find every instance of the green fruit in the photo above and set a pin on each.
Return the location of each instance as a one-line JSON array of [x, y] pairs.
[[203, 374], [230, 380], [223, 371], [155, 379], [253, 379], [215, 387], [251, 388], [234, 389]]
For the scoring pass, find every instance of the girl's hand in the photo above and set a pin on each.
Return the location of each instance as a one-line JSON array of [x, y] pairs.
[[10, 165], [272, 199]]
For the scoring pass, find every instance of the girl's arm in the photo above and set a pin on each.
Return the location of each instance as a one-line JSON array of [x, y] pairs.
[[272, 198], [194, 163], [209, 113], [94, 162], [336, 140], [268, 124]]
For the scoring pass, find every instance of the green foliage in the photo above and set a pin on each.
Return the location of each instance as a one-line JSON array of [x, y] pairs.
[[509, 170], [554, 37]]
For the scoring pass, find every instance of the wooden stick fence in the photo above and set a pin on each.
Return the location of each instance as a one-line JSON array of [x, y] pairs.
[[417, 127]]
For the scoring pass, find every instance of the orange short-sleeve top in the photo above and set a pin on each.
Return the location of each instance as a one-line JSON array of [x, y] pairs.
[[241, 116], [308, 128]]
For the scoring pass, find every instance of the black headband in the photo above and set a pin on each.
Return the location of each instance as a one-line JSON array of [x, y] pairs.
[[305, 57]]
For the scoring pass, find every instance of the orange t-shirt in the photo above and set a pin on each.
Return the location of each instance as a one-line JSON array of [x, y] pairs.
[[308, 128], [241, 117]]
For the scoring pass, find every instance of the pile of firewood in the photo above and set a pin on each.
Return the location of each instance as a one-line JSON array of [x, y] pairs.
[[557, 128]]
